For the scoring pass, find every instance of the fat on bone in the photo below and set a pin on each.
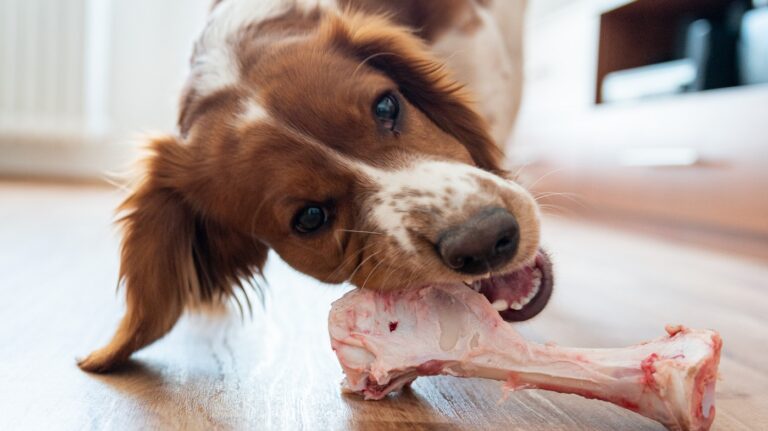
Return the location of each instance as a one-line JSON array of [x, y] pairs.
[[385, 340]]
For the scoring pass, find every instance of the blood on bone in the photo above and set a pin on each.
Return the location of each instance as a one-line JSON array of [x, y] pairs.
[[430, 368], [672, 330], [513, 382], [648, 370], [670, 379]]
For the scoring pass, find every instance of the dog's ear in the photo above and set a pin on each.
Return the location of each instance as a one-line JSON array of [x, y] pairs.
[[422, 79], [172, 255]]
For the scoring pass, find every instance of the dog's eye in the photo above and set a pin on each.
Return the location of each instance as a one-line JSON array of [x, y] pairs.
[[310, 219], [386, 110]]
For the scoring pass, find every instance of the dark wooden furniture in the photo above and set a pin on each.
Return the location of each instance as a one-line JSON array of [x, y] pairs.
[[694, 159]]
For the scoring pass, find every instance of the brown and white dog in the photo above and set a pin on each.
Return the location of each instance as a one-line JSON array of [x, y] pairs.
[[330, 132]]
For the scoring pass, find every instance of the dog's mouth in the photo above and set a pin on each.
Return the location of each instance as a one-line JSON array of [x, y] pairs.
[[522, 294]]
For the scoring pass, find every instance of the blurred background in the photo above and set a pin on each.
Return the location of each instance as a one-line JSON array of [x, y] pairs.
[[652, 113], [649, 111], [643, 133], [80, 79]]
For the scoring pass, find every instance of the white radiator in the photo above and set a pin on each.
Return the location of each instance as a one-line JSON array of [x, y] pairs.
[[43, 67], [80, 78]]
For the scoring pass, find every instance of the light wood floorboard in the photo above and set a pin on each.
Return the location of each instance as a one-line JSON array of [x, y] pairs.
[[276, 370]]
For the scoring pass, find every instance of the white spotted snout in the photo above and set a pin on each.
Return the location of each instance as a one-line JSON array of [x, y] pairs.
[[416, 203]]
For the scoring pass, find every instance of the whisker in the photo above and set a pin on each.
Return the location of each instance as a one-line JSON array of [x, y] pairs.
[[359, 231], [516, 175], [578, 200], [346, 260], [371, 273], [337, 237], [557, 210], [363, 262], [531, 186], [574, 199], [393, 268], [411, 278], [550, 194]]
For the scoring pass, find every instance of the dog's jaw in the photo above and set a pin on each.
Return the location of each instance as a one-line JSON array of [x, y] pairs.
[[410, 206]]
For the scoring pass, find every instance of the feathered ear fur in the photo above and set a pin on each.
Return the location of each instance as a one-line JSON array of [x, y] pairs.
[[172, 255], [422, 79]]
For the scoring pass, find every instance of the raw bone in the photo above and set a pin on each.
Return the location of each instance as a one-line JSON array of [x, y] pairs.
[[385, 340]]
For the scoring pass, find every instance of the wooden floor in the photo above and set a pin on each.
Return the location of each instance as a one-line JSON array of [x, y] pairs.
[[58, 264]]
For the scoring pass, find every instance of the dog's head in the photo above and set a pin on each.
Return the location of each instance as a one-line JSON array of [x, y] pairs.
[[337, 141]]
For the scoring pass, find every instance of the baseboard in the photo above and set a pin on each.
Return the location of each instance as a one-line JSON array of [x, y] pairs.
[[70, 157]]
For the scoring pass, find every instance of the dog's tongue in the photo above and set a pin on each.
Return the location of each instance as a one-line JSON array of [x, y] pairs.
[[514, 290], [522, 294]]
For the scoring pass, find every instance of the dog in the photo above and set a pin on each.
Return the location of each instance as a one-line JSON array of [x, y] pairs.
[[341, 134]]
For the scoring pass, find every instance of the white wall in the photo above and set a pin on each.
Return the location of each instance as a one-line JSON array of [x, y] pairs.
[[151, 42], [135, 61]]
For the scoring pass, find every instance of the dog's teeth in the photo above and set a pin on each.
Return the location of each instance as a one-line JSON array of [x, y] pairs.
[[516, 306], [500, 304], [536, 282], [525, 300], [474, 285], [530, 295]]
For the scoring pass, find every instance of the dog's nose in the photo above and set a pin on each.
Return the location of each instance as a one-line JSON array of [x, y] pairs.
[[483, 243]]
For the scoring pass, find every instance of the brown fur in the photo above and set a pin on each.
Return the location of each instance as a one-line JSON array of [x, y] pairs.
[[215, 199], [428, 18], [171, 256], [422, 79]]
